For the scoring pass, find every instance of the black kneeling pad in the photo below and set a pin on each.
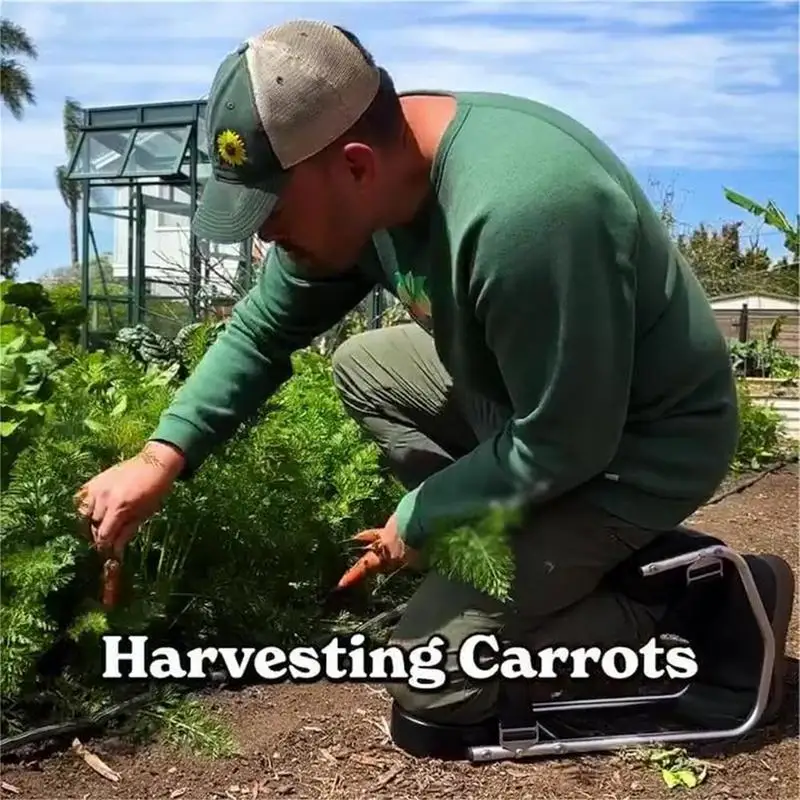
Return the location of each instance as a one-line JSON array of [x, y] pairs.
[[730, 653], [712, 615], [423, 739], [715, 616]]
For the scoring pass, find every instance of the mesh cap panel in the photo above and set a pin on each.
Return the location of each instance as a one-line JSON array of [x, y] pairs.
[[310, 84]]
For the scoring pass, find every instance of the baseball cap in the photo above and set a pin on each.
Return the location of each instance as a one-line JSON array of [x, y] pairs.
[[280, 98]]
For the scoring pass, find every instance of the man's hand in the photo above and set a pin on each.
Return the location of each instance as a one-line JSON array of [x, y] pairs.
[[114, 503], [385, 551]]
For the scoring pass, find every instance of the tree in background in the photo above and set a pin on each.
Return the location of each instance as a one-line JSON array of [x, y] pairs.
[[16, 244], [71, 191], [723, 263], [16, 88], [16, 85], [785, 271], [61, 318]]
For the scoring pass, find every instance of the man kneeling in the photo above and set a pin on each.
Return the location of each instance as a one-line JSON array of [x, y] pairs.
[[562, 350]]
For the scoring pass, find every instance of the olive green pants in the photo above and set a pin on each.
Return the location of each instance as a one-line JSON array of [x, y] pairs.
[[393, 384]]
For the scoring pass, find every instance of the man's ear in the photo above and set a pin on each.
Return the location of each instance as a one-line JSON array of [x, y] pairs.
[[360, 162]]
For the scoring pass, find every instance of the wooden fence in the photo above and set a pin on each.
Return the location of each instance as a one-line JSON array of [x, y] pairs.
[[746, 324]]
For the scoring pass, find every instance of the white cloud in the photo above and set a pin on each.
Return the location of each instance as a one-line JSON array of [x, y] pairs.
[[120, 73], [144, 21], [98, 79], [35, 145], [679, 98], [40, 20], [660, 87], [703, 99], [644, 13]]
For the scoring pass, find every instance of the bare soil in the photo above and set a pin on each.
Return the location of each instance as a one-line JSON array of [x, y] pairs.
[[330, 741]]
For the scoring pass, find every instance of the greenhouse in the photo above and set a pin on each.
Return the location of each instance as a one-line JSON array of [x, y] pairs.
[[142, 168]]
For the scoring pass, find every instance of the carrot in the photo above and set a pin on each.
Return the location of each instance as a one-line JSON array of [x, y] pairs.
[[370, 536], [111, 580], [369, 562]]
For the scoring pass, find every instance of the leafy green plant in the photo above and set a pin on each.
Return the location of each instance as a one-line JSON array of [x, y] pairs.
[[760, 434], [194, 339], [186, 723], [180, 354], [39, 558], [675, 765], [60, 314], [764, 358], [477, 553], [27, 363], [148, 346], [759, 359], [246, 552]]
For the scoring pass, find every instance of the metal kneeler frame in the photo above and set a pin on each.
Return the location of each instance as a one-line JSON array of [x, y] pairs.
[[536, 740]]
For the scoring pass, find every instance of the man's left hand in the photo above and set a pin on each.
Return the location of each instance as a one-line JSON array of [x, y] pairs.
[[385, 551]]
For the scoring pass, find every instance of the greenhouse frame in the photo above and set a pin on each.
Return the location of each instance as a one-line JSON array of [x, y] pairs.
[[142, 169]]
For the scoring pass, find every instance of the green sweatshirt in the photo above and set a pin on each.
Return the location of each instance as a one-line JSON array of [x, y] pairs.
[[550, 286]]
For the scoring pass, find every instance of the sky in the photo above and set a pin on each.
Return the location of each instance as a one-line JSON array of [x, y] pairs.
[[694, 96]]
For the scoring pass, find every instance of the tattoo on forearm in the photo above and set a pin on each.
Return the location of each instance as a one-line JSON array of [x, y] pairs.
[[151, 459]]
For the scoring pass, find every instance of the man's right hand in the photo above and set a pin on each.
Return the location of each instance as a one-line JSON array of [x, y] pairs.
[[117, 501]]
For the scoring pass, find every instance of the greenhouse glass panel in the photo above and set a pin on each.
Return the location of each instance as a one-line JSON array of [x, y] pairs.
[[157, 151], [100, 154]]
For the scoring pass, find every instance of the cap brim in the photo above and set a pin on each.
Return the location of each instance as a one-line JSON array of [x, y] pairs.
[[229, 213]]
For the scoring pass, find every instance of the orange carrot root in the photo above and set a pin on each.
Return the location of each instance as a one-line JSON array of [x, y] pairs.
[[111, 581], [368, 536], [366, 564]]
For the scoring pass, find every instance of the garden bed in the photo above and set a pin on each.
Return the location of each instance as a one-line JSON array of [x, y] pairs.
[[246, 553], [773, 387], [329, 741], [782, 396]]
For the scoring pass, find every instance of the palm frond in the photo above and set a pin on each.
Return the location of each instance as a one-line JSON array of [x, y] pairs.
[[72, 120], [14, 40], [16, 87]]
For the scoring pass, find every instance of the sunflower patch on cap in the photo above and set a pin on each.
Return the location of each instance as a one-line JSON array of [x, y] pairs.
[[231, 148]]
